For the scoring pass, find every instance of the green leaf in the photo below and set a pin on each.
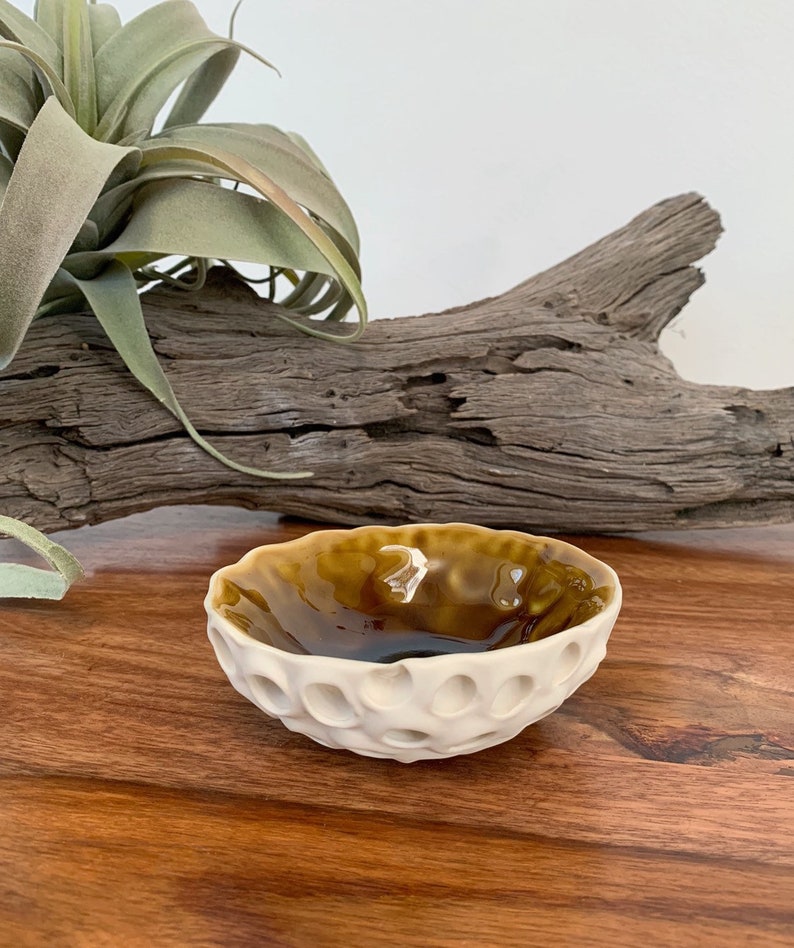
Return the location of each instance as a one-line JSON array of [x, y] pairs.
[[78, 63], [203, 87], [105, 23], [87, 239], [199, 219], [231, 165], [233, 18], [142, 43], [62, 296], [45, 72], [146, 60], [49, 16], [6, 170], [16, 26], [17, 103], [29, 582], [115, 204], [291, 168], [112, 208], [271, 133], [58, 176], [139, 106], [12, 140], [305, 293], [212, 234], [113, 297], [272, 153], [300, 142], [24, 70]]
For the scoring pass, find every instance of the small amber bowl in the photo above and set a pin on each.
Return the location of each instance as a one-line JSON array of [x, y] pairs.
[[412, 642]]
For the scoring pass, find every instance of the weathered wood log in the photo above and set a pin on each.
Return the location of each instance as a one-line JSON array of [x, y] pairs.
[[549, 407]]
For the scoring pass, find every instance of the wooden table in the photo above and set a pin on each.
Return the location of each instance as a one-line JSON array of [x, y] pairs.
[[144, 802]]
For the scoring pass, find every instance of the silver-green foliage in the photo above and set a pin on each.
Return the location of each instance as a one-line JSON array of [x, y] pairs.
[[94, 199]]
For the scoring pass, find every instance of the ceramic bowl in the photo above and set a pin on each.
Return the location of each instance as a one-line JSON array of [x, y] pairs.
[[412, 642]]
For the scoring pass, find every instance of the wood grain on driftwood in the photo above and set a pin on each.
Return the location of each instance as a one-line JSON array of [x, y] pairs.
[[549, 407]]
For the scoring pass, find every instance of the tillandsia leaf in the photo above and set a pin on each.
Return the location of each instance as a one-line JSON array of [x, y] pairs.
[[105, 22], [43, 211], [310, 296], [30, 582], [274, 135], [203, 87], [45, 72], [143, 43], [306, 292], [307, 149], [201, 90], [16, 26], [188, 274], [142, 64], [113, 297], [87, 239], [139, 106], [94, 206], [237, 168], [114, 206], [49, 16], [6, 170], [24, 70], [199, 219], [11, 140], [233, 18], [273, 154], [18, 105], [78, 63]]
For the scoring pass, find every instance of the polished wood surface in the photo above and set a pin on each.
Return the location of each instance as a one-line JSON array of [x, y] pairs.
[[144, 802]]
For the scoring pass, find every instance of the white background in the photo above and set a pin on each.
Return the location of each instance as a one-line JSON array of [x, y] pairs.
[[480, 141]]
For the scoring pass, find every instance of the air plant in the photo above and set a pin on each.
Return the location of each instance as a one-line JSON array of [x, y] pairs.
[[102, 195]]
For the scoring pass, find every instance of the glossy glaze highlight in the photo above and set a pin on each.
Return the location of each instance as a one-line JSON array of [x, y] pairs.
[[386, 593]]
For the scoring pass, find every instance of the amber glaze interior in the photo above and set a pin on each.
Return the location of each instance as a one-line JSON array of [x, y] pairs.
[[385, 593]]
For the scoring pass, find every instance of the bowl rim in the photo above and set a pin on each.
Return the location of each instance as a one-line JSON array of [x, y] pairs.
[[588, 627]]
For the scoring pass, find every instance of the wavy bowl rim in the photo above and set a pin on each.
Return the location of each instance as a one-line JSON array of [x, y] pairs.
[[589, 627]]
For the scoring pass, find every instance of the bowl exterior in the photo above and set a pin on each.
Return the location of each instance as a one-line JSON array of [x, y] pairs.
[[417, 708]]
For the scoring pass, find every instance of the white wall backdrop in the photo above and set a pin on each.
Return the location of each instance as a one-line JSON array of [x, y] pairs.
[[479, 141]]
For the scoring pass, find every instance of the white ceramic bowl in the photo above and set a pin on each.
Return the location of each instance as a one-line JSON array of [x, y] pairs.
[[422, 707]]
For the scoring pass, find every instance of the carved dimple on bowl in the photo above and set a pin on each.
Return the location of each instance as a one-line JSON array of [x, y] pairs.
[[412, 642]]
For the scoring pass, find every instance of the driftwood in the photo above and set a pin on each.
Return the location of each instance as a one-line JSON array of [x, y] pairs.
[[549, 408]]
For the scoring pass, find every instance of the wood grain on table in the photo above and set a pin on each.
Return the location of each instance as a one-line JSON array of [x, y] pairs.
[[144, 802]]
